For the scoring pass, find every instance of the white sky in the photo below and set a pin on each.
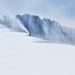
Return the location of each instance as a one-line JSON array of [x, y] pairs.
[[59, 10]]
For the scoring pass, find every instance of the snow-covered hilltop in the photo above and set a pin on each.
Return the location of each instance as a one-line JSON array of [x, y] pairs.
[[43, 28]]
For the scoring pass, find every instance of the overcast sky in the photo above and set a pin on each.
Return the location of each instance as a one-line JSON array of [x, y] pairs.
[[62, 11]]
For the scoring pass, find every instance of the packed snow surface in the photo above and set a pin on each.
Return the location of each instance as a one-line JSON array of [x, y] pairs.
[[24, 55]]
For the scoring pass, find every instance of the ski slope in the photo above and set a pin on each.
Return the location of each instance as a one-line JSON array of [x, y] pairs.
[[23, 55]]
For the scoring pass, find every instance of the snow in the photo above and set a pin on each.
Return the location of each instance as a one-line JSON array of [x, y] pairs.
[[44, 28], [22, 55]]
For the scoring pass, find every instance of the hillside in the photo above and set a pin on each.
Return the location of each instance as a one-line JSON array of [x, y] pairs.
[[24, 55]]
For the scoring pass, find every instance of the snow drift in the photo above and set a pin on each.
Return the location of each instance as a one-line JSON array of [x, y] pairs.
[[47, 29]]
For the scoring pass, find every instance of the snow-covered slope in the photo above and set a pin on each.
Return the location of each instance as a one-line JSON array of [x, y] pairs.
[[22, 55]]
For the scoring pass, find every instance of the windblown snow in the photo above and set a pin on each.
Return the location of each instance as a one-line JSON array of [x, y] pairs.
[[46, 29]]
